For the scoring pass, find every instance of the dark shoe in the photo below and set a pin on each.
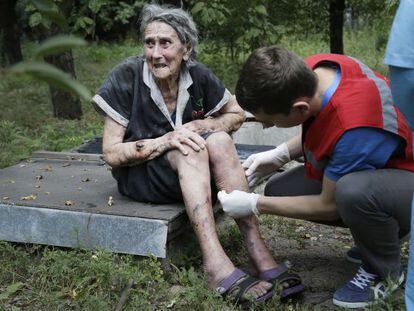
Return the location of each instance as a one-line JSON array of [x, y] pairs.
[[354, 255], [237, 285], [364, 289], [289, 284]]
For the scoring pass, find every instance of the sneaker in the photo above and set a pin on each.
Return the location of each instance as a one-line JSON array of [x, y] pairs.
[[363, 290], [354, 255]]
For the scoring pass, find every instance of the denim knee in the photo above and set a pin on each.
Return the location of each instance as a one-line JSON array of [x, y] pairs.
[[353, 198]]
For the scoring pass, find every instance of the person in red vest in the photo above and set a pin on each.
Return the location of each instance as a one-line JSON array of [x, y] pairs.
[[358, 151]]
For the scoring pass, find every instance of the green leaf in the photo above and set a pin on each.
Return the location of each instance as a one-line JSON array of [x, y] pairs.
[[44, 5], [52, 75], [10, 290], [261, 9], [57, 18], [198, 7], [48, 9], [58, 44]]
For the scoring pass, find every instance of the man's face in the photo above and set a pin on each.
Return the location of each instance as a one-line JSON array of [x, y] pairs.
[[279, 119]]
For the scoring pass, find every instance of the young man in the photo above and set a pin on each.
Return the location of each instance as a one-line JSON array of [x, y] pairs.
[[358, 150]]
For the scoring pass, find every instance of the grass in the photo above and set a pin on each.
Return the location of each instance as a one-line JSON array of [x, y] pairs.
[[34, 277]]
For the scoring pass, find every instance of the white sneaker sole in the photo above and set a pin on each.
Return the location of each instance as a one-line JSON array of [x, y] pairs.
[[363, 304]]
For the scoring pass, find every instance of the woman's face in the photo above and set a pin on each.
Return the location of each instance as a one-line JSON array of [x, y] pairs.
[[164, 51]]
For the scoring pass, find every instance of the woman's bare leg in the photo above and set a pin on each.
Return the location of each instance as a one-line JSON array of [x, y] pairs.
[[229, 175], [194, 175]]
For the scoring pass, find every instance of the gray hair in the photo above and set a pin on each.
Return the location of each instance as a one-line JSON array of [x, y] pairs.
[[178, 19]]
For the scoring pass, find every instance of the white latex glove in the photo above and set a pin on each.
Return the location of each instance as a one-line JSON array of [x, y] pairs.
[[262, 164], [239, 204]]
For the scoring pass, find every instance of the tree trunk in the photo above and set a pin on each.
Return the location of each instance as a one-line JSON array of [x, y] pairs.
[[336, 25], [65, 104], [10, 50]]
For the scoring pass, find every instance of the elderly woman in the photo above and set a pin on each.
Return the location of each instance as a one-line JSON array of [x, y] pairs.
[[166, 133]]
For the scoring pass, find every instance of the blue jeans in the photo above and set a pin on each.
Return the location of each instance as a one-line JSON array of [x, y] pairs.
[[402, 88], [409, 286]]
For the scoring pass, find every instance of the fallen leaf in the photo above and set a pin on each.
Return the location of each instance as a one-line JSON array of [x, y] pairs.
[[47, 192], [313, 238], [110, 201], [307, 236], [69, 203], [22, 165], [80, 188], [85, 179], [66, 164], [12, 182], [6, 198], [171, 304], [37, 186], [48, 168], [29, 197], [73, 294]]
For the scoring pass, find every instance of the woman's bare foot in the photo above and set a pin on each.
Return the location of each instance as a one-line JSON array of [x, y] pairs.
[[216, 275]]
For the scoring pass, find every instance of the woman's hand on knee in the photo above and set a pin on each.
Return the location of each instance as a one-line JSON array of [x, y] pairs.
[[183, 138]]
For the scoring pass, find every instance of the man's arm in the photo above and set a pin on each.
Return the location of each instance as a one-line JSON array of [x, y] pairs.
[[228, 119], [309, 207], [295, 147]]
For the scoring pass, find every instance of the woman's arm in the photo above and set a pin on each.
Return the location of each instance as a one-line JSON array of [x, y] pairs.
[[228, 119], [119, 153]]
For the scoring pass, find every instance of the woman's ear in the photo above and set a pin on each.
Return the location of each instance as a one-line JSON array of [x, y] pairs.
[[187, 53]]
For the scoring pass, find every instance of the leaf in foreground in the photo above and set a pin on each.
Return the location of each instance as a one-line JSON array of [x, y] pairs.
[[58, 44], [51, 75]]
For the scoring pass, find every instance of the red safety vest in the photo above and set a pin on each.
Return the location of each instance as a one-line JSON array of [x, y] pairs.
[[362, 99]]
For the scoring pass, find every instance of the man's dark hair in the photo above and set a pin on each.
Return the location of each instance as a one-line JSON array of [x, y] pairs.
[[272, 79]]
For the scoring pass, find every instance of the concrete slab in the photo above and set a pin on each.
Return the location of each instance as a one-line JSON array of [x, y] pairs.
[[74, 202], [253, 133]]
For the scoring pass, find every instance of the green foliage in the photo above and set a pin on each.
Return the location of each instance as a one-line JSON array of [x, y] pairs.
[[86, 280], [89, 15], [241, 26], [48, 9]]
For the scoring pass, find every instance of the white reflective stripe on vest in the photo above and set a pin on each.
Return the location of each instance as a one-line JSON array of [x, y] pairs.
[[389, 115]]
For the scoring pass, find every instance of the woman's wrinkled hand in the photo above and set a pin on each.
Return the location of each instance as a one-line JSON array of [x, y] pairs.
[[197, 126], [181, 138]]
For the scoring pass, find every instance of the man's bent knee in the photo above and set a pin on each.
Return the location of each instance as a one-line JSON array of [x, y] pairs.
[[353, 196]]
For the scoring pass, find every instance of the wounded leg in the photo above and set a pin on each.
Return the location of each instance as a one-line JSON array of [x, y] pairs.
[[229, 175], [194, 175]]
